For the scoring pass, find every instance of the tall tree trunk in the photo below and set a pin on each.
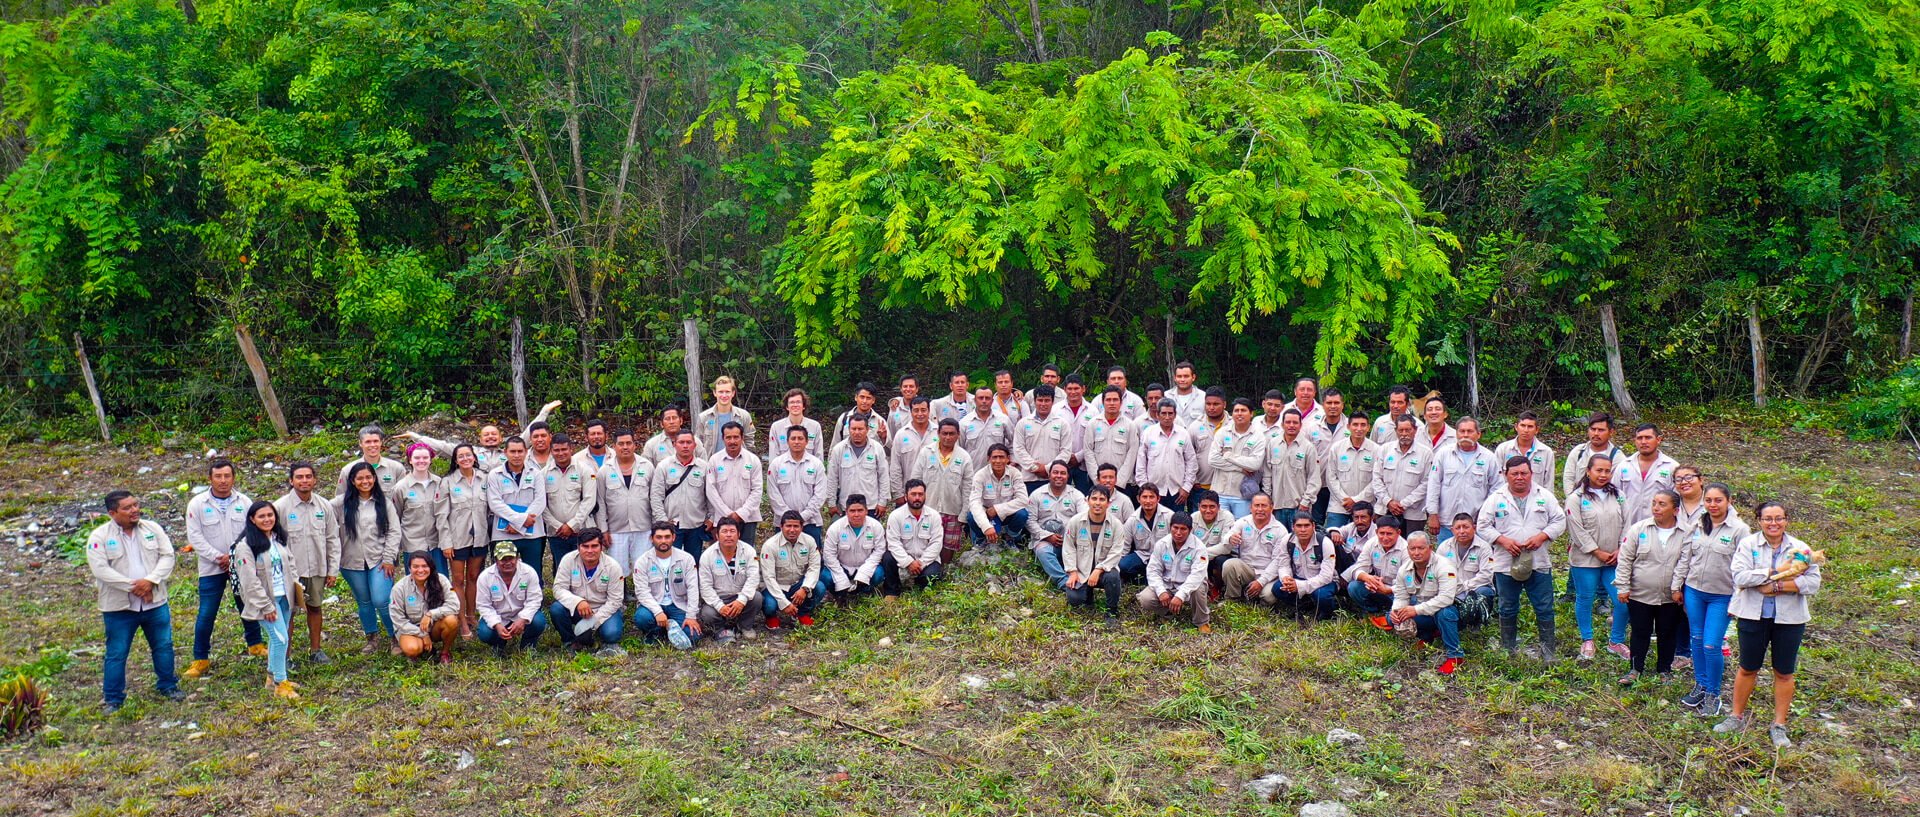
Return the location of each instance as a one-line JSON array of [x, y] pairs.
[[1758, 344], [1815, 356], [1616, 372], [1473, 372], [1906, 327], [1039, 32], [192, 14]]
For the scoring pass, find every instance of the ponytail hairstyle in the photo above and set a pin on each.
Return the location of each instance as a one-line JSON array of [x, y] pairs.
[[257, 540], [1609, 488], [1706, 519], [350, 503]]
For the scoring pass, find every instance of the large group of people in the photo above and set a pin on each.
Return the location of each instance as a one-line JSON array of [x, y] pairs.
[[1294, 503]]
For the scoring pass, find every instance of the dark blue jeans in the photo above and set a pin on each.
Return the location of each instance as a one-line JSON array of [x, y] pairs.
[[535, 628], [532, 553], [564, 621], [157, 625], [692, 540], [1539, 590], [1133, 567], [651, 631], [814, 594], [1009, 529], [213, 589]]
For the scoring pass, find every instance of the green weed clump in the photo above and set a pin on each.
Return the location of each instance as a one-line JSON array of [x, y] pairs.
[[23, 707]]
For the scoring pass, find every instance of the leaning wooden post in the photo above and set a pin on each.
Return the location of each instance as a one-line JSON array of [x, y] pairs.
[[1757, 344], [691, 328], [261, 384], [93, 389], [519, 373], [1473, 371], [1616, 372]]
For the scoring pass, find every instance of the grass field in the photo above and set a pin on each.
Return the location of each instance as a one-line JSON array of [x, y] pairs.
[[1045, 712]]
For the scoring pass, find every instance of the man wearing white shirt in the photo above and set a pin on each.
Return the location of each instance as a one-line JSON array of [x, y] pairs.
[[1076, 410], [1111, 438], [1399, 403], [1522, 519], [1435, 434], [1352, 465], [860, 465], [1041, 438], [734, 485], [997, 512], [909, 439], [1599, 441], [797, 481], [984, 427], [1649, 470], [1306, 400], [1459, 479], [914, 542], [1167, 459], [1008, 402], [1131, 404], [1526, 443], [1189, 399], [1260, 555], [959, 400], [900, 409], [1049, 508], [1213, 416]]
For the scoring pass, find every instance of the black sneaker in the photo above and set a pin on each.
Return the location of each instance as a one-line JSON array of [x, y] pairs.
[[1694, 698], [175, 695]]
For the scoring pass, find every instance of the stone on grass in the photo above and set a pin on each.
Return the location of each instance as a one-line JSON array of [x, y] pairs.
[[1325, 808], [1269, 788], [1344, 737]]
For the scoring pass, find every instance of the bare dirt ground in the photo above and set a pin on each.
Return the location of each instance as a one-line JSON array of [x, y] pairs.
[[1022, 708]]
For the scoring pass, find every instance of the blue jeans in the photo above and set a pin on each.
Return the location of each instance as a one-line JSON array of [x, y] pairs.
[[1286, 515], [1446, 624], [1235, 505], [1048, 555], [1322, 601], [814, 531], [1081, 481], [438, 560], [1337, 519], [213, 589], [1707, 625], [691, 540], [536, 626], [1133, 567], [814, 594], [1589, 584], [559, 546], [157, 625], [1446, 533], [1375, 604], [1539, 590], [564, 621], [651, 631], [371, 592], [276, 631], [1010, 528]]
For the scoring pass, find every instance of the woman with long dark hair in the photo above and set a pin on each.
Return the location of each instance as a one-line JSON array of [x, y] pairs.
[[1705, 578], [425, 610], [1649, 555], [369, 550], [1596, 516], [264, 571], [469, 527]]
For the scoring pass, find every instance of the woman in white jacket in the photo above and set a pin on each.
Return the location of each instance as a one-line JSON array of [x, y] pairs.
[[1772, 615], [425, 610]]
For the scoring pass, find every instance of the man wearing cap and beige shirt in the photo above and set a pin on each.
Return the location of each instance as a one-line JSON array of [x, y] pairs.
[[508, 598]]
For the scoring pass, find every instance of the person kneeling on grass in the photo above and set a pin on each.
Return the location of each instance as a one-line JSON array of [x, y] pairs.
[[425, 610], [1307, 587], [666, 586], [729, 582], [589, 596], [1370, 579], [1177, 574], [508, 596], [915, 539], [1091, 554], [791, 583], [1423, 594]]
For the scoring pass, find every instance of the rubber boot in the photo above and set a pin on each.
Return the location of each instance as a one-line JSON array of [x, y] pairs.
[[1510, 636], [1546, 644]]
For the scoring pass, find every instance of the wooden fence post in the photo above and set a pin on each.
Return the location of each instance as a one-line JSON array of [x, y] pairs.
[[519, 373], [261, 384], [1473, 372], [691, 328], [1616, 371], [1758, 344], [93, 389]]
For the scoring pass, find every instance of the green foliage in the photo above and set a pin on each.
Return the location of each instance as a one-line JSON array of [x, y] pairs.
[[1267, 184], [1226, 714], [1888, 408]]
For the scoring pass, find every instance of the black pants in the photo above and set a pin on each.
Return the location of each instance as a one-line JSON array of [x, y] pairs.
[[1649, 620], [1082, 596], [897, 577]]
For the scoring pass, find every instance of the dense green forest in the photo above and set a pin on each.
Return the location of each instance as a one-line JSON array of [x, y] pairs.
[[1429, 191]]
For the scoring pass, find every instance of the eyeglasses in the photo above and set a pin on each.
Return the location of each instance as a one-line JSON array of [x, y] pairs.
[[1687, 478]]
